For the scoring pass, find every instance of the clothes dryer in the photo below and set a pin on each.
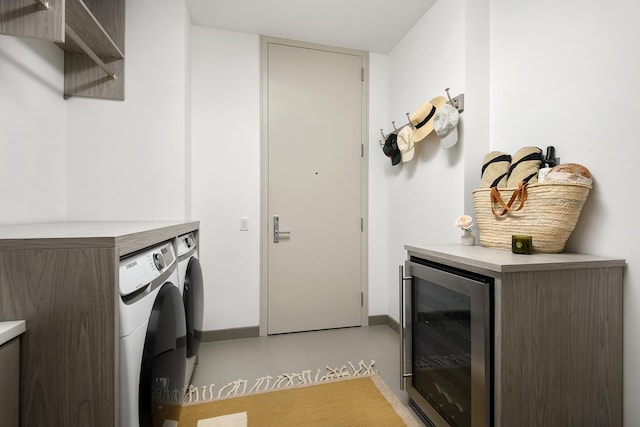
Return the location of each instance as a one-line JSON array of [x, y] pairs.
[[192, 285], [152, 338]]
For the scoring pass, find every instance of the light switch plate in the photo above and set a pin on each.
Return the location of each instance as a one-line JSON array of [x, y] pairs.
[[244, 223]]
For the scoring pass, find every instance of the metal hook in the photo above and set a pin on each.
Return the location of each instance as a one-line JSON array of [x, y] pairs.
[[457, 102], [409, 120], [449, 96], [383, 135], [394, 126]]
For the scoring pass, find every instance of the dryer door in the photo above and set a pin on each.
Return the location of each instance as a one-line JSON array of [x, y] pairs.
[[193, 305], [163, 360]]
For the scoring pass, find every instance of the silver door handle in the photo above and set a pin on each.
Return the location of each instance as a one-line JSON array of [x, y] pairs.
[[401, 280], [276, 230]]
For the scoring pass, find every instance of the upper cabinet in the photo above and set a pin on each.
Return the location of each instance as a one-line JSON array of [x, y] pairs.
[[91, 33]]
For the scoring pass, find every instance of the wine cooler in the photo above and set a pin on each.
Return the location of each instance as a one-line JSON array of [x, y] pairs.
[[446, 343]]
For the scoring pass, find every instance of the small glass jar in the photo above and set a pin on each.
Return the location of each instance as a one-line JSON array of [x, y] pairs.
[[521, 244]]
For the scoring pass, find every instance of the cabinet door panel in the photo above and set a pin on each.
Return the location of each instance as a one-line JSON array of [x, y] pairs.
[[69, 365]]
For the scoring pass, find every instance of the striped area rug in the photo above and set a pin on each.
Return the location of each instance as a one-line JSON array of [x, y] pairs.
[[343, 397]]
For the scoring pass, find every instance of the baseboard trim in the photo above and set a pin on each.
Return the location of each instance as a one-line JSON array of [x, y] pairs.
[[254, 331], [231, 334], [384, 319]]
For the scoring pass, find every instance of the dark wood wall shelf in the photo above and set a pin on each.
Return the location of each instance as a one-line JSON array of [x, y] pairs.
[[91, 33], [24, 18]]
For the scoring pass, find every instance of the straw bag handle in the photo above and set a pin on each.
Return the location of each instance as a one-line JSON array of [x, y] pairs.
[[520, 193]]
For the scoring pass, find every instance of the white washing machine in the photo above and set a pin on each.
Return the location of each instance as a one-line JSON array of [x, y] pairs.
[[191, 285], [152, 338]]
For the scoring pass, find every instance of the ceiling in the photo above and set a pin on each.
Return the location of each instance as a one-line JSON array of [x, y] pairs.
[[370, 25]]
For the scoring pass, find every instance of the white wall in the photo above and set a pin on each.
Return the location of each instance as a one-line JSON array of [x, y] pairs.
[[560, 74], [226, 175], [126, 159], [226, 172], [226, 148], [566, 74], [425, 195], [477, 111], [378, 226], [93, 159], [32, 126]]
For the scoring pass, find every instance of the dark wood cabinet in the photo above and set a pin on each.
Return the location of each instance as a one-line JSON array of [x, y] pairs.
[[62, 278], [10, 381], [557, 334]]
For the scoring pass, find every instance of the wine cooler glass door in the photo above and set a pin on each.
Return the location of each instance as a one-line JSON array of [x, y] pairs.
[[450, 344]]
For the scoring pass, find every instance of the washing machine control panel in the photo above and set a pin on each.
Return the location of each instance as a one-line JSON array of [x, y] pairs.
[[141, 269], [185, 243], [158, 260]]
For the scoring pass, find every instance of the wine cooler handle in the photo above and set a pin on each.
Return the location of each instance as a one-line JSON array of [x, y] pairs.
[[401, 280]]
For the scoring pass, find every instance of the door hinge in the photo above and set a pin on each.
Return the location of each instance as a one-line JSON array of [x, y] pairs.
[[361, 224], [361, 74], [361, 150], [361, 299]]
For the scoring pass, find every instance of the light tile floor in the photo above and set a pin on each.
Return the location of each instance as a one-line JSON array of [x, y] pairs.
[[224, 361]]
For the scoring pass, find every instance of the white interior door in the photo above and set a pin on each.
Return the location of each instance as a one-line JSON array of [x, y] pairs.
[[314, 103]]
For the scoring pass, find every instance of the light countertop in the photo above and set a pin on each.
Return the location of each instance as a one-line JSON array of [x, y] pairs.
[[505, 261], [127, 236], [11, 329], [81, 229]]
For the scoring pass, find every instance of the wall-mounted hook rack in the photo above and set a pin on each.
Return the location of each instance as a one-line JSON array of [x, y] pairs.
[[409, 121], [396, 129], [384, 138], [457, 102]]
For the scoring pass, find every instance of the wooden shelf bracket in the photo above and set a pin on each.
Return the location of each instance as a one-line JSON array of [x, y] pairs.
[[42, 4], [88, 51]]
